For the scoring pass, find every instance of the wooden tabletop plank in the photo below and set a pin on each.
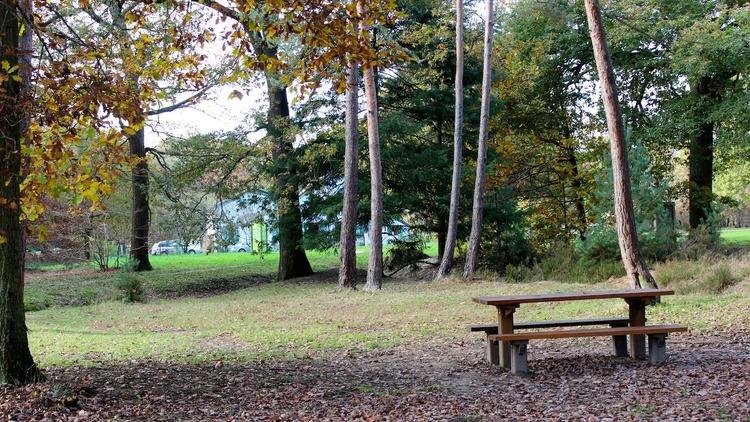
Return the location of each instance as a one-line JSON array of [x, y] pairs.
[[566, 296]]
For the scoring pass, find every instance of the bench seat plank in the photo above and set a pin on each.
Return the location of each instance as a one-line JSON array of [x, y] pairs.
[[492, 328], [590, 332]]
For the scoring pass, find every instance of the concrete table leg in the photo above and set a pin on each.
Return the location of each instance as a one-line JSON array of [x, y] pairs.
[[620, 346], [493, 352], [519, 364], [657, 348]]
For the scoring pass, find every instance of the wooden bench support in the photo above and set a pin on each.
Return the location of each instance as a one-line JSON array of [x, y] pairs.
[[518, 360], [657, 344]]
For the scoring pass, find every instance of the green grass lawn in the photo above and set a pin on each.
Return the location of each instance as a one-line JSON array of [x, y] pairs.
[[302, 319], [296, 318], [736, 236], [173, 275]]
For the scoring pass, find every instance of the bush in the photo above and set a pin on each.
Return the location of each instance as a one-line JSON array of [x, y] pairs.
[[672, 272], [129, 286], [560, 259], [404, 253], [565, 264], [519, 273], [651, 205], [595, 272], [505, 235], [687, 277], [720, 279]]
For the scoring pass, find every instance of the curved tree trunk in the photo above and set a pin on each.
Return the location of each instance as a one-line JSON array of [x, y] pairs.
[[375, 263], [140, 212], [16, 363], [446, 262], [472, 256], [293, 260], [637, 271], [348, 245]]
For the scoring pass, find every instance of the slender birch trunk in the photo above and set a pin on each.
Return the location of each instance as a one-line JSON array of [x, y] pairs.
[[375, 263], [472, 257], [348, 266], [638, 273], [450, 238]]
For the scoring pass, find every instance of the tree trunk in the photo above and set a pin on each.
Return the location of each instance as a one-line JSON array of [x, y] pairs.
[[447, 254], [472, 256], [577, 194], [16, 363], [348, 246], [442, 234], [293, 260], [375, 263], [701, 159], [140, 213], [637, 272]]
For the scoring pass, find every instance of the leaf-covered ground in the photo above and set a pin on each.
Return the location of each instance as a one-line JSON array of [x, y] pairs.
[[707, 377]]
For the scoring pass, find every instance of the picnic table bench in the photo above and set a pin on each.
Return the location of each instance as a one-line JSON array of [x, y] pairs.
[[508, 348]]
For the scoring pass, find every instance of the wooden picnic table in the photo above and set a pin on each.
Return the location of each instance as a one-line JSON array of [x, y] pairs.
[[637, 300]]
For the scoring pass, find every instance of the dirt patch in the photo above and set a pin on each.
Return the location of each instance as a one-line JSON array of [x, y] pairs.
[[212, 286], [704, 378], [225, 343]]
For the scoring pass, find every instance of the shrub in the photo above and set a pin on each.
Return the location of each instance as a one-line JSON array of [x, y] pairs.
[[563, 263], [719, 280], [129, 286], [672, 272], [518, 273], [601, 270], [687, 277], [404, 253], [559, 261], [505, 235], [651, 205]]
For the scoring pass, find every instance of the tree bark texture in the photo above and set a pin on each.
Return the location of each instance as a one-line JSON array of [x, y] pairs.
[[472, 256], [578, 194], [293, 260], [348, 245], [700, 163], [375, 263], [635, 267], [446, 263], [140, 212], [16, 363]]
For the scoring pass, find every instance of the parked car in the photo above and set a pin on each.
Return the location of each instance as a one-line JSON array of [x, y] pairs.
[[194, 248], [166, 247], [171, 247], [239, 247]]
